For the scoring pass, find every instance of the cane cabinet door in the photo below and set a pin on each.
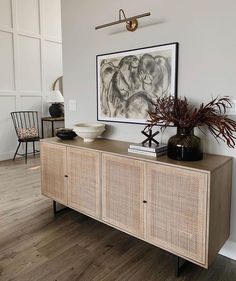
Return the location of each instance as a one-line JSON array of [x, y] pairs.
[[53, 171], [177, 210], [122, 193], [84, 180]]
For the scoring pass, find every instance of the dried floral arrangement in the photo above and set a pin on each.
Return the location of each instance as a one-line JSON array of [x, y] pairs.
[[168, 110]]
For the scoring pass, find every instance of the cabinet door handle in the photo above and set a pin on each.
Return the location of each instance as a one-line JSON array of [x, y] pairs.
[[144, 201], [66, 176]]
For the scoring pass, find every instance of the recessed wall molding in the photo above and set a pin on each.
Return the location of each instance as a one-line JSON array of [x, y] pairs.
[[52, 39], [24, 72], [7, 92], [18, 34], [30, 92], [30, 34], [30, 95], [6, 29], [6, 95]]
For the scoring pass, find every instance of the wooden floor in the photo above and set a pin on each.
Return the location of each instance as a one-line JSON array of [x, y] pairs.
[[36, 246]]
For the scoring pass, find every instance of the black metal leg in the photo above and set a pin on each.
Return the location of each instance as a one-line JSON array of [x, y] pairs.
[[26, 146], [54, 207], [16, 150], [55, 211], [34, 149], [52, 129], [180, 266], [42, 129]]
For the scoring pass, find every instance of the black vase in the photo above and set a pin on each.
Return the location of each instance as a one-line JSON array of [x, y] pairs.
[[185, 146], [56, 110]]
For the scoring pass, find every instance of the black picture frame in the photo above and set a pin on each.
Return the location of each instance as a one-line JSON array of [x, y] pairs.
[[128, 81]]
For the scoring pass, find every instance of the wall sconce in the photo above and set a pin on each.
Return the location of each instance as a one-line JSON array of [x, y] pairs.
[[131, 22]]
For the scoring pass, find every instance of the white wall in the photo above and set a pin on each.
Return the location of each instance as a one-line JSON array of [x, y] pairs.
[[207, 58], [30, 60]]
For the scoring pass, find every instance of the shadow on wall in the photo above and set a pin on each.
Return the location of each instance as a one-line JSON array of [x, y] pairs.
[[109, 131]]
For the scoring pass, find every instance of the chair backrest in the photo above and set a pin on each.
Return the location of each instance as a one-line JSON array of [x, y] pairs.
[[26, 124]]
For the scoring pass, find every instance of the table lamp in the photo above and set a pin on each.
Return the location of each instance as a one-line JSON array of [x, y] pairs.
[[56, 108]]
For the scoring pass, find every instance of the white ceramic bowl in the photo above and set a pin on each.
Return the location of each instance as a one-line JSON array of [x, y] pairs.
[[89, 131]]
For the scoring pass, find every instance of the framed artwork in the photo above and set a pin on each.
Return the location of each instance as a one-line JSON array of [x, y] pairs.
[[129, 81]]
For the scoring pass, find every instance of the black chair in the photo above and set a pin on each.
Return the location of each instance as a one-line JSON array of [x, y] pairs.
[[27, 130]]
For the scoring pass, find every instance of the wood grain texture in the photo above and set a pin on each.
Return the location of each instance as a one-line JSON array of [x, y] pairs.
[[176, 211], [209, 163], [53, 172], [36, 246], [84, 181], [219, 209], [123, 193]]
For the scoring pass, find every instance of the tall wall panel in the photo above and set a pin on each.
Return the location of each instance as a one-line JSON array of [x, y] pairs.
[[5, 13], [53, 62], [7, 82], [52, 9], [8, 137], [29, 64], [28, 21]]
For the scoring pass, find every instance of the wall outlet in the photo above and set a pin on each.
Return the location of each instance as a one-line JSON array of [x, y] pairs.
[[72, 105], [232, 110]]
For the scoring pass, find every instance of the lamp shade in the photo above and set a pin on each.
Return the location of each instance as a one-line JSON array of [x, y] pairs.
[[55, 97]]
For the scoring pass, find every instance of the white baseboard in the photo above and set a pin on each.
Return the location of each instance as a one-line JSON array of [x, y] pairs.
[[229, 250], [9, 154], [6, 155]]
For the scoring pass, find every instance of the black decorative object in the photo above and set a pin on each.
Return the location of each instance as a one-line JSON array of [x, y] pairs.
[[56, 110], [65, 134], [150, 136], [186, 117], [184, 146]]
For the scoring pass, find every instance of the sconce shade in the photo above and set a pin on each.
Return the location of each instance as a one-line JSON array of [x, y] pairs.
[[55, 97]]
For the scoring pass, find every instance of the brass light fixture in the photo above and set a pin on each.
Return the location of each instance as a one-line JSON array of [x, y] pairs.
[[131, 22]]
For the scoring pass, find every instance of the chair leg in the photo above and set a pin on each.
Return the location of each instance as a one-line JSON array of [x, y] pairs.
[[34, 149], [16, 151], [26, 144]]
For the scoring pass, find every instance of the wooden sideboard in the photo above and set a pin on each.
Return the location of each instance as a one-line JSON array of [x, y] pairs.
[[181, 207]]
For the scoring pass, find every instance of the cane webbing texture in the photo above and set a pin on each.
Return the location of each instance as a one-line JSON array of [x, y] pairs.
[[123, 193], [83, 180], [53, 170], [176, 210]]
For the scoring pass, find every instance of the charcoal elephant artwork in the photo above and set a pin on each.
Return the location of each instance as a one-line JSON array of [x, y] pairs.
[[130, 81]]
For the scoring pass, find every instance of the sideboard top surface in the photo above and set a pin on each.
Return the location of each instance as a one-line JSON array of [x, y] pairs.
[[209, 163]]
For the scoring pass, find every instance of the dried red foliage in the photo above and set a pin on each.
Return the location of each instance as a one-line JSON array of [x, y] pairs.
[[168, 110]]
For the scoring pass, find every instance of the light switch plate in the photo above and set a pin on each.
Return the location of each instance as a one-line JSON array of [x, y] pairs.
[[72, 105]]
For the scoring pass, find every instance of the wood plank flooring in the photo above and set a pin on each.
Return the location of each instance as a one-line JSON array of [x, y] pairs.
[[36, 246]]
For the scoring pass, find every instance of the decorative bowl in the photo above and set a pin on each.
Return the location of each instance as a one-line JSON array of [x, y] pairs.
[[89, 131], [65, 134]]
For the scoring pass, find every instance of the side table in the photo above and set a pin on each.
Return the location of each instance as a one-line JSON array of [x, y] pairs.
[[52, 120]]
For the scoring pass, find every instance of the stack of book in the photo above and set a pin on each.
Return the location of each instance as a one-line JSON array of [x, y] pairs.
[[154, 150]]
